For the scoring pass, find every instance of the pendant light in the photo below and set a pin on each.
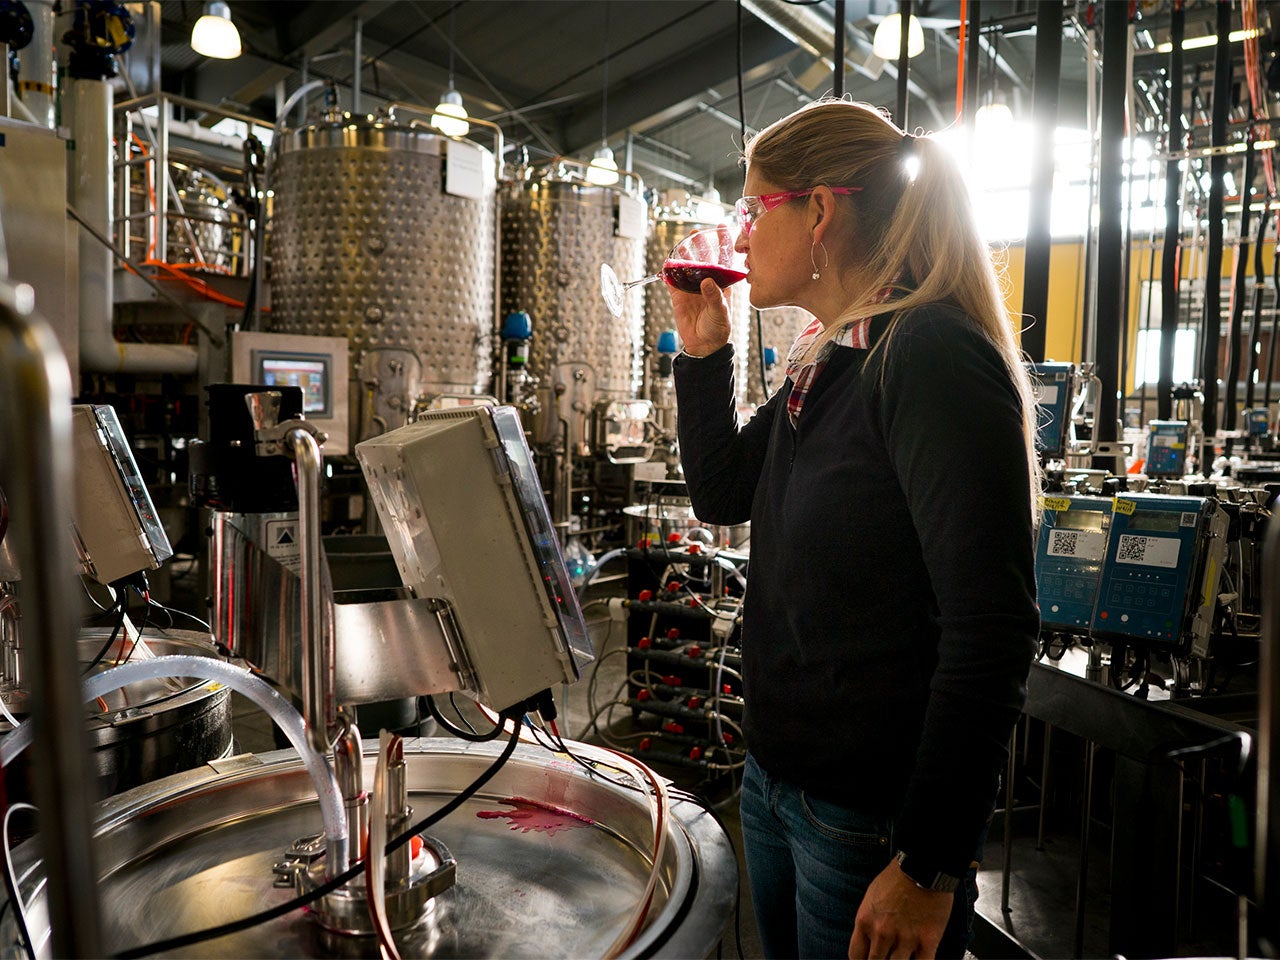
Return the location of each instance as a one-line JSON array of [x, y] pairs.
[[450, 117], [214, 35], [603, 169]]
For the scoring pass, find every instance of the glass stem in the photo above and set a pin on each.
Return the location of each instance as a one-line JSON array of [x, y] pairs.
[[642, 282]]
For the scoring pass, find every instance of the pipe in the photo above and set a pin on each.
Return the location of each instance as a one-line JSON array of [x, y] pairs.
[[1044, 107], [91, 108], [15, 103], [357, 41], [36, 78], [1240, 271], [240, 680], [1267, 811], [35, 426], [1110, 288], [1213, 262], [1255, 321], [1171, 255], [809, 29], [317, 651], [904, 60], [837, 50]]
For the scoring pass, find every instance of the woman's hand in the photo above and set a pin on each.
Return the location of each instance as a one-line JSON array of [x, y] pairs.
[[702, 319], [898, 919]]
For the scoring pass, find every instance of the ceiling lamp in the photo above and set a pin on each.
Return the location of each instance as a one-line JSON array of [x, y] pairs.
[[450, 117], [214, 35], [994, 117], [888, 39], [603, 169]]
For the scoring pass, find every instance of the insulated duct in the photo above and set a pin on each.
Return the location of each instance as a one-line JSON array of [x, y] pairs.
[[815, 32], [91, 184]]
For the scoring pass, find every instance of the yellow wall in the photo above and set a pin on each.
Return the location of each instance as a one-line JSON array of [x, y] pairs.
[[1066, 291]]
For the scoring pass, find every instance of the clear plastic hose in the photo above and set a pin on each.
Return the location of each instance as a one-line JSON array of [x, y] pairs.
[[243, 682]]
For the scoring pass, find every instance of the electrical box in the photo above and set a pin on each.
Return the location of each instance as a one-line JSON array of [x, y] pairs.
[[116, 526], [1070, 549], [1256, 421], [459, 497], [1053, 385], [315, 365], [1159, 581], [1166, 448]]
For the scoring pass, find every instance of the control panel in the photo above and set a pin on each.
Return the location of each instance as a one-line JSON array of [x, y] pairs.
[[1053, 385], [1166, 448], [1160, 576], [1070, 549]]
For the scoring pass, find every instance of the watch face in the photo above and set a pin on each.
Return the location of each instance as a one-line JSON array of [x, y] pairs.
[[925, 878]]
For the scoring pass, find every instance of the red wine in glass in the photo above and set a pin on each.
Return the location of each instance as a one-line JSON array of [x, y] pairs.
[[688, 275], [704, 253]]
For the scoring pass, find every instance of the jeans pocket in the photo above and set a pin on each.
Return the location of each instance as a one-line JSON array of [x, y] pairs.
[[844, 825]]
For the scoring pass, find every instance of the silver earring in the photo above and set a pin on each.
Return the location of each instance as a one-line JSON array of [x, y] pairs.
[[817, 271]]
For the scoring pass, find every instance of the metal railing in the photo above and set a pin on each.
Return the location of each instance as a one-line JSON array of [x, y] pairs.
[[218, 233]]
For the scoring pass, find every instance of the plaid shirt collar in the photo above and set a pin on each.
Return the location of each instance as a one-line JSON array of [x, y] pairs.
[[856, 334]]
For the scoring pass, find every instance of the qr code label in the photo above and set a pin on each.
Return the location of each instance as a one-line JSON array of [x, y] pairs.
[[1081, 544], [1148, 551]]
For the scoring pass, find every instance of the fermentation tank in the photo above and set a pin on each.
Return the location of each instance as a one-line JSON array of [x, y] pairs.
[[780, 326], [378, 236], [556, 232]]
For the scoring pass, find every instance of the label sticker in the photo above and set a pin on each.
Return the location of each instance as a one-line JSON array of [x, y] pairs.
[[1148, 551], [1081, 544], [1055, 503], [282, 543], [1123, 506]]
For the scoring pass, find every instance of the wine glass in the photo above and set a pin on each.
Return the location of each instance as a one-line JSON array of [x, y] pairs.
[[702, 254]]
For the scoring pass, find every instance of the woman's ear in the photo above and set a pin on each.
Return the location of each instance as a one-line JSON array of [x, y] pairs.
[[822, 211]]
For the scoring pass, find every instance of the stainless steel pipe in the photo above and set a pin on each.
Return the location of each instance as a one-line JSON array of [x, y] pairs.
[[35, 471], [317, 648]]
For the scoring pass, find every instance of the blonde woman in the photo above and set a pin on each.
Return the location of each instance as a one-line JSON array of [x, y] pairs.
[[890, 615]]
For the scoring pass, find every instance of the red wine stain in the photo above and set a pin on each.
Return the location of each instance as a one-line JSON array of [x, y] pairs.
[[534, 815]]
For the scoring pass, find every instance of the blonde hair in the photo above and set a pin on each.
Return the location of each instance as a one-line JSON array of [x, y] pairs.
[[915, 235]]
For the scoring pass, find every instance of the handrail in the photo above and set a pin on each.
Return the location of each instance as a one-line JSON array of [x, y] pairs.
[[35, 430], [154, 99]]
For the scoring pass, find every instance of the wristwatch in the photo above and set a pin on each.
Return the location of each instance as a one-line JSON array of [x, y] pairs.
[[925, 877]]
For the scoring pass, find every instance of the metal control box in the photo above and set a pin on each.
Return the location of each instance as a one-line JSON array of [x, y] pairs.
[[117, 529], [459, 498], [1159, 581], [1053, 385], [1166, 448], [1070, 548]]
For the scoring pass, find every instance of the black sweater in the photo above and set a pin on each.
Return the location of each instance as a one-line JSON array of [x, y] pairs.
[[890, 616]]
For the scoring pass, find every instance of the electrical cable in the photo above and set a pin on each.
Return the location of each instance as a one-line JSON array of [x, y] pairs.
[[97, 659], [199, 936], [11, 882], [457, 731]]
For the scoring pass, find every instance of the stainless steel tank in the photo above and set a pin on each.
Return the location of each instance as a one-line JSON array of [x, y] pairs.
[[556, 232], [149, 729], [368, 242], [780, 326], [552, 860]]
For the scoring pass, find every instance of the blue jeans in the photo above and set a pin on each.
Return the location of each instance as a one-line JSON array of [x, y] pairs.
[[809, 863]]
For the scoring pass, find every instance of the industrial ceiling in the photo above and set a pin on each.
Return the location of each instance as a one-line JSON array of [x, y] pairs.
[[657, 79]]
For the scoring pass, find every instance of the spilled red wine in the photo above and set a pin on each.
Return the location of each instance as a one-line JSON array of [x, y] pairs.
[[688, 275]]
